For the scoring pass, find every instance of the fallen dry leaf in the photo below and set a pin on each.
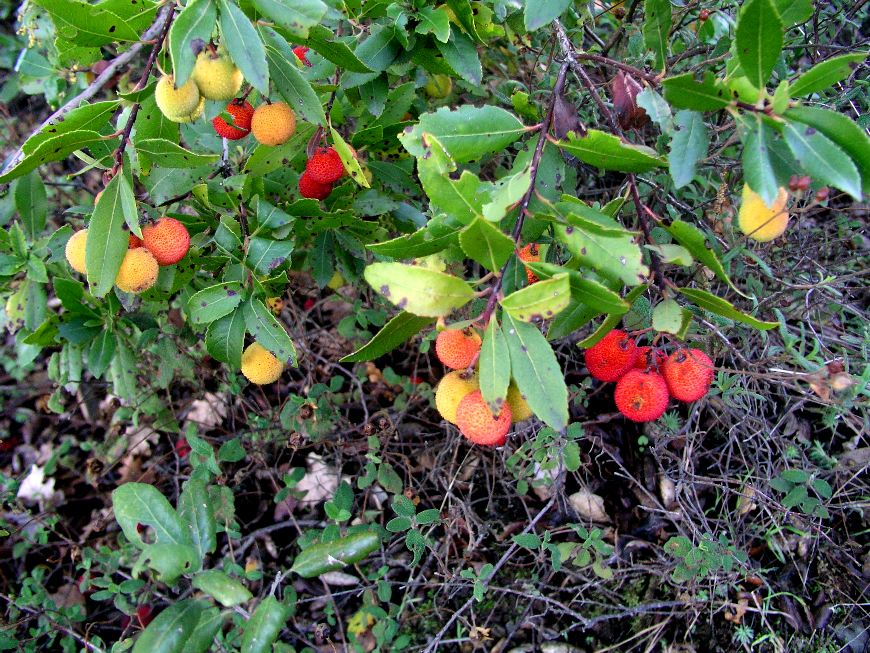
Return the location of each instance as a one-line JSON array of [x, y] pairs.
[[589, 505], [208, 412]]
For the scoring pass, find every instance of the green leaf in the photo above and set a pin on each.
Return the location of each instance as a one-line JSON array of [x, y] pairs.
[[225, 590], [168, 560], [322, 40], [265, 159], [611, 321], [433, 21], [417, 290], [758, 169], [264, 626], [536, 372], [527, 540], [465, 17], [589, 292], [842, 131], [668, 317], [107, 241], [429, 516], [460, 53], [225, 339], [398, 524], [202, 639], [486, 244], [608, 152], [758, 40], [88, 24], [288, 79], [821, 158], [262, 324], [212, 303], [140, 503], [403, 506], [467, 133], [332, 556], [571, 456], [195, 510], [539, 13], [170, 629], [171, 155], [348, 160], [694, 240], [688, 146], [299, 17], [195, 23], [657, 29], [420, 243], [794, 12], [685, 92], [612, 252], [494, 368], [101, 352], [394, 333], [266, 255], [31, 203], [826, 73], [378, 51], [271, 217], [506, 192], [244, 45], [539, 301], [719, 306], [52, 149]]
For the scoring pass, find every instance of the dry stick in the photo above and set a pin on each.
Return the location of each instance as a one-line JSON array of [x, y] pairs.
[[433, 645]]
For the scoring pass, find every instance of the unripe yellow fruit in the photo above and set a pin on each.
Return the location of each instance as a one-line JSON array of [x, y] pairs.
[[520, 410], [451, 390], [336, 281], [759, 221], [176, 103], [138, 271], [197, 113], [75, 251], [217, 76], [259, 365], [439, 86], [273, 124]]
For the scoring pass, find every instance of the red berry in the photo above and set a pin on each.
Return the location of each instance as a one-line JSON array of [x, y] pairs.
[[688, 374], [641, 396], [704, 14], [308, 305], [300, 51], [182, 448], [145, 614], [612, 356], [134, 242], [312, 189], [645, 359], [325, 166], [167, 239], [242, 112], [822, 194]]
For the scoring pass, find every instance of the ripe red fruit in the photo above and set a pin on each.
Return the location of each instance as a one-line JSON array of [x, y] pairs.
[[167, 239], [641, 396], [612, 356], [145, 615], [645, 359], [135, 242], [182, 448], [300, 51], [325, 166], [242, 112], [312, 189], [478, 424], [704, 14], [530, 253], [688, 374], [456, 348]]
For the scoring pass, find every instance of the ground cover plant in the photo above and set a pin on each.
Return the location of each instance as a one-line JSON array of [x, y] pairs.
[[408, 326]]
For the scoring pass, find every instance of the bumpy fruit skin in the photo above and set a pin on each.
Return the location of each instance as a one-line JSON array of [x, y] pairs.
[[196, 115], [520, 410], [641, 396], [439, 86], [75, 251], [452, 389], [177, 104], [167, 239], [531, 253], [259, 365], [242, 112], [456, 348], [217, 77], [645, 358], [273, 124], [477, 424], [325, 166], [612, 356], [134, 241], [311, 189], [301, 51], [759, 221], [138, 271], [688, 374]]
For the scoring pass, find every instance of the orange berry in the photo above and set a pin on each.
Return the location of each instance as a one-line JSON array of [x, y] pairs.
[[612, 356], [532, 254], [479, 425], [456, 348], [641, 396], [688, 374], [167, 239], [273, 124]]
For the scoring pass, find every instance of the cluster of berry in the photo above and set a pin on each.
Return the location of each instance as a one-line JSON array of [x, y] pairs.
[[458, 397], [164, 242], [646, 378]]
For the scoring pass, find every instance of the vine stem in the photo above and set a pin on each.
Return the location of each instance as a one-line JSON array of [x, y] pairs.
[[527, 196], [149, 66]]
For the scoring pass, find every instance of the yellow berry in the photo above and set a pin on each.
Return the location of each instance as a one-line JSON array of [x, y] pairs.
[[259, 365], [138, 271], [451, 390], [759, 221], [75, 251], [177, 104], [273, 124], [336, 281], [197, 113], [520, 410], [217, 76]]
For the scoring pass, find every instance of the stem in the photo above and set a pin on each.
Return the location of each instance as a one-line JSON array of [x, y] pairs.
[[644, 225]]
